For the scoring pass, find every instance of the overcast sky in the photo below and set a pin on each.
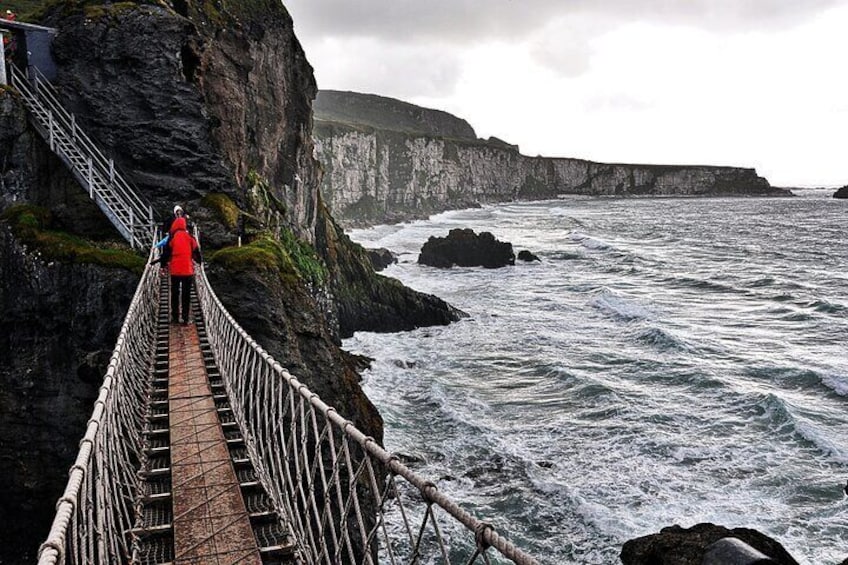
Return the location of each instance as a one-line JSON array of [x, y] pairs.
[[753, 83]]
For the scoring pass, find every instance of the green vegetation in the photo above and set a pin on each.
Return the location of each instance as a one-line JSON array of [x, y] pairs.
[[289, 256], [33, 11], [23, 7], [102, 10], [264, 254], [223, 207], [31, 225], [262, 199]]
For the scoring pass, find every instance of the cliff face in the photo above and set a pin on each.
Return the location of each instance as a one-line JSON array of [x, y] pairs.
[[203, 104], [384, 172], [58, 327]]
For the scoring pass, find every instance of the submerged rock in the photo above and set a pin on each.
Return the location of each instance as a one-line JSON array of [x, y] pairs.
[[676, 545], [525, 255], [381, 258], [464, 248]]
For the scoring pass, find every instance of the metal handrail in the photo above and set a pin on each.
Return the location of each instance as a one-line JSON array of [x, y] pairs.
[[46, 89], [130, 214]]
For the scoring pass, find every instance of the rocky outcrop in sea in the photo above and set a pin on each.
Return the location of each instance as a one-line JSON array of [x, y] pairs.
[[841, 193], [675, 545], [464, 248], [387, 161]]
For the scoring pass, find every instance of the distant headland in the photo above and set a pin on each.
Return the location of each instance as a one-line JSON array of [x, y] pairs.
[[387, 161]]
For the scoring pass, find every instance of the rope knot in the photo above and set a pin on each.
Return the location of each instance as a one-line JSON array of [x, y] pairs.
[[425, 491], [56, 546], [480, 535]]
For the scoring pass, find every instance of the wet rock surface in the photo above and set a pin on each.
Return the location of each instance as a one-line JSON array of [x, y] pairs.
[[464, 248], [686, 546]]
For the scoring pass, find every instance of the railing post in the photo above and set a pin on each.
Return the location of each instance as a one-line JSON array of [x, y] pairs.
[[90, 178], [50, 131], [3, 78], [132, 229], [111, 172], [74, 128]]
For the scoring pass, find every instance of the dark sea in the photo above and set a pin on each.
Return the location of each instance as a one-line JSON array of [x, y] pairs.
[[669, 361]]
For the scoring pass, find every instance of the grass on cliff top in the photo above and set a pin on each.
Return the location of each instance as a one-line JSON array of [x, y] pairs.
[[288, 256], [31, 225], [32, 11]]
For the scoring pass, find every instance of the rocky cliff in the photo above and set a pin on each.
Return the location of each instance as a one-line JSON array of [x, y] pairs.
[[206, 104], [383, 171]]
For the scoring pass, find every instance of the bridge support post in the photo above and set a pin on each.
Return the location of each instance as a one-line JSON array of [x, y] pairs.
[[3, 78]]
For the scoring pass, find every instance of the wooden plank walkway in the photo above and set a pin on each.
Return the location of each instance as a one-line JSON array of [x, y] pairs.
[[211, 524]]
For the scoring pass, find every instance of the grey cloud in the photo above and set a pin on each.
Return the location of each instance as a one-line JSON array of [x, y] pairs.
[[413, 45], [401, 72], [467, 21]]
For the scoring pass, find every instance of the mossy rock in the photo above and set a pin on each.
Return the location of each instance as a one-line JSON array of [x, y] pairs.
[[31, 224], [289, 256], [261, 254], [224, 208]]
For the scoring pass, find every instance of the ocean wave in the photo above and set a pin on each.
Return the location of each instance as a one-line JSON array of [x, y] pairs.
[[760, 282], [589, 242], [786, 423], [825, 306], [608, 302], [822, 442], [563, 256], [836, 383], [661, 340], [702, 284]]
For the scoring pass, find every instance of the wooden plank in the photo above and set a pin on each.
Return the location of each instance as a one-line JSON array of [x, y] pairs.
[[211, 524]]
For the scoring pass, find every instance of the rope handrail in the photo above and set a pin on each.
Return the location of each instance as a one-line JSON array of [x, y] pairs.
[[95, 509], [325, 475]]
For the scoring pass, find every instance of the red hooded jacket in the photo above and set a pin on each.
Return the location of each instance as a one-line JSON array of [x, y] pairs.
[[182, 246]]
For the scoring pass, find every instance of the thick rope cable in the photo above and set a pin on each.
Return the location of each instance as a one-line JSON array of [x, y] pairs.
[[97, 505], [334, 484]]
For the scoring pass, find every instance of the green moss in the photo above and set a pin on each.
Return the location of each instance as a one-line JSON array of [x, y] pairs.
[[31, 225], [224, 207], [303, 255], [251, 257], [114, 9], [289, 256], [262, 198]]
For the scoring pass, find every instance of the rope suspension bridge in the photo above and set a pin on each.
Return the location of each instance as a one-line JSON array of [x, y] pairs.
[[201, 448]]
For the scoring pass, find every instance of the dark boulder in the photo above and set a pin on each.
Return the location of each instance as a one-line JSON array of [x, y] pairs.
[[381, 258], [842, 192], [680, 546], [464, 248], [525, 255]]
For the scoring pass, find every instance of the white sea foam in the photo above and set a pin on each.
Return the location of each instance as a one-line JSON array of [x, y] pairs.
[[837, 383], [619, 306], [822, 440]]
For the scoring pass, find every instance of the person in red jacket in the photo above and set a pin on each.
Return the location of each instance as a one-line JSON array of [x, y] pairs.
[[183, 249]]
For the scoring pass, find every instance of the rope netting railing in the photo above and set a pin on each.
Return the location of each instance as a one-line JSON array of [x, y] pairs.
[[97, 506], [346, 498]]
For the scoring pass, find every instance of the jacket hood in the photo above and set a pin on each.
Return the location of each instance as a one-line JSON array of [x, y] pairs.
[[178, 224]]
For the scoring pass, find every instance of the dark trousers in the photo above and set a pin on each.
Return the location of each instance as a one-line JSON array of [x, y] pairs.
[[180, 295]]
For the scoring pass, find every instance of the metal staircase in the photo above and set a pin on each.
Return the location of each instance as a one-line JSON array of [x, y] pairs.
[[132, 217]]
